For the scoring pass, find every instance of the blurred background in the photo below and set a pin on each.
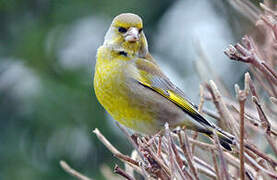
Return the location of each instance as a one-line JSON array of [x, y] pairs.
[[48, 107]]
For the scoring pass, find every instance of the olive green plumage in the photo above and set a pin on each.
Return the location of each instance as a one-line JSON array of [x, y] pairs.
[[132, 88]]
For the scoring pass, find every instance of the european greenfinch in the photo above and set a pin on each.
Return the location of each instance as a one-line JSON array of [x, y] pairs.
[[133, 89]]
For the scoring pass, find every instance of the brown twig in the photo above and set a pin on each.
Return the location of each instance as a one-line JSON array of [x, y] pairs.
[[212, 114], [266, 125], [73, 172], [257, 166], [200, 110], [115, 152], [201, 165], [156, 166], [262, 155], [172, 160], [204, 168], [259, 78], [247, 54], [160, 162], [178, 158], [108, 173], [170, 153], [241, 95], [122, 173], [215, 165], [186, 150], [221, 157], [267, 9], [202, 145], [269, 20], [159, 146], [130, 139], [265, 122], [222, 109]]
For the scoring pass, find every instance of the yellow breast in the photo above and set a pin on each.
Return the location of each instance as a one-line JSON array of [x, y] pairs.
[[113, 94]]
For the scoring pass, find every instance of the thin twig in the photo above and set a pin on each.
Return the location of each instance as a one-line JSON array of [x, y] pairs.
[[111, 148], [259, 78], [263, 118], [160, 162], [241, 96], [242, 169], [200, 107], [267, 9], [215, 165], [257, 166], [262, 155], [201, 165], [170, 153], [222, 109], [123, 129], [122, 173], [172, 160], [221, 157], [155, 166], [265, 123], [178, 158], [204, 146], [186, 150], [73, 172], [133, 163], [200, 110], [248, 55]]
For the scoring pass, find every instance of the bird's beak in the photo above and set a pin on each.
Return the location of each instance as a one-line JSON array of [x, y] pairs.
[[132, 35]]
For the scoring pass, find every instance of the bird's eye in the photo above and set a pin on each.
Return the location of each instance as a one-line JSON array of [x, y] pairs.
[[122, 30], [140, 30]]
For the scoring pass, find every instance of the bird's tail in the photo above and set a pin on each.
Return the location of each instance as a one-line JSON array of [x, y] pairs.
[[225, 139]]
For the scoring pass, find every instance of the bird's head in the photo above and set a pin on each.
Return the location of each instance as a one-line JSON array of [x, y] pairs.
[[126, 34]]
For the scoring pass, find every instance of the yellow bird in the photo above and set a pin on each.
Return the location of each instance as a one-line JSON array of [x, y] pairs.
[[132, 88]]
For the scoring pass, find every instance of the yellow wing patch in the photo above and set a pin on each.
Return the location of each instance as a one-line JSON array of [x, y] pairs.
[[152, 77], [172, 96], [181, 102]]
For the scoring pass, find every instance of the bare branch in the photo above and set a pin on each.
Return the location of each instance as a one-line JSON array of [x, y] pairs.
[[200, 109], [113, 149], [262, 155], [241, 95], [222, 109], [248, 55], [186, 150], [73, 172], [221, 157], [172, 160], [122, 173], [215, 165]]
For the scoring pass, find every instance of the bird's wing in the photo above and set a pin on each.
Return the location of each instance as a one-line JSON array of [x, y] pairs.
[[153, 78]]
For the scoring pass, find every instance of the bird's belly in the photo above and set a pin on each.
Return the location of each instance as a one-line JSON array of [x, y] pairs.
[[131, 104], [119, 107], [114, 96], [143, 114]]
